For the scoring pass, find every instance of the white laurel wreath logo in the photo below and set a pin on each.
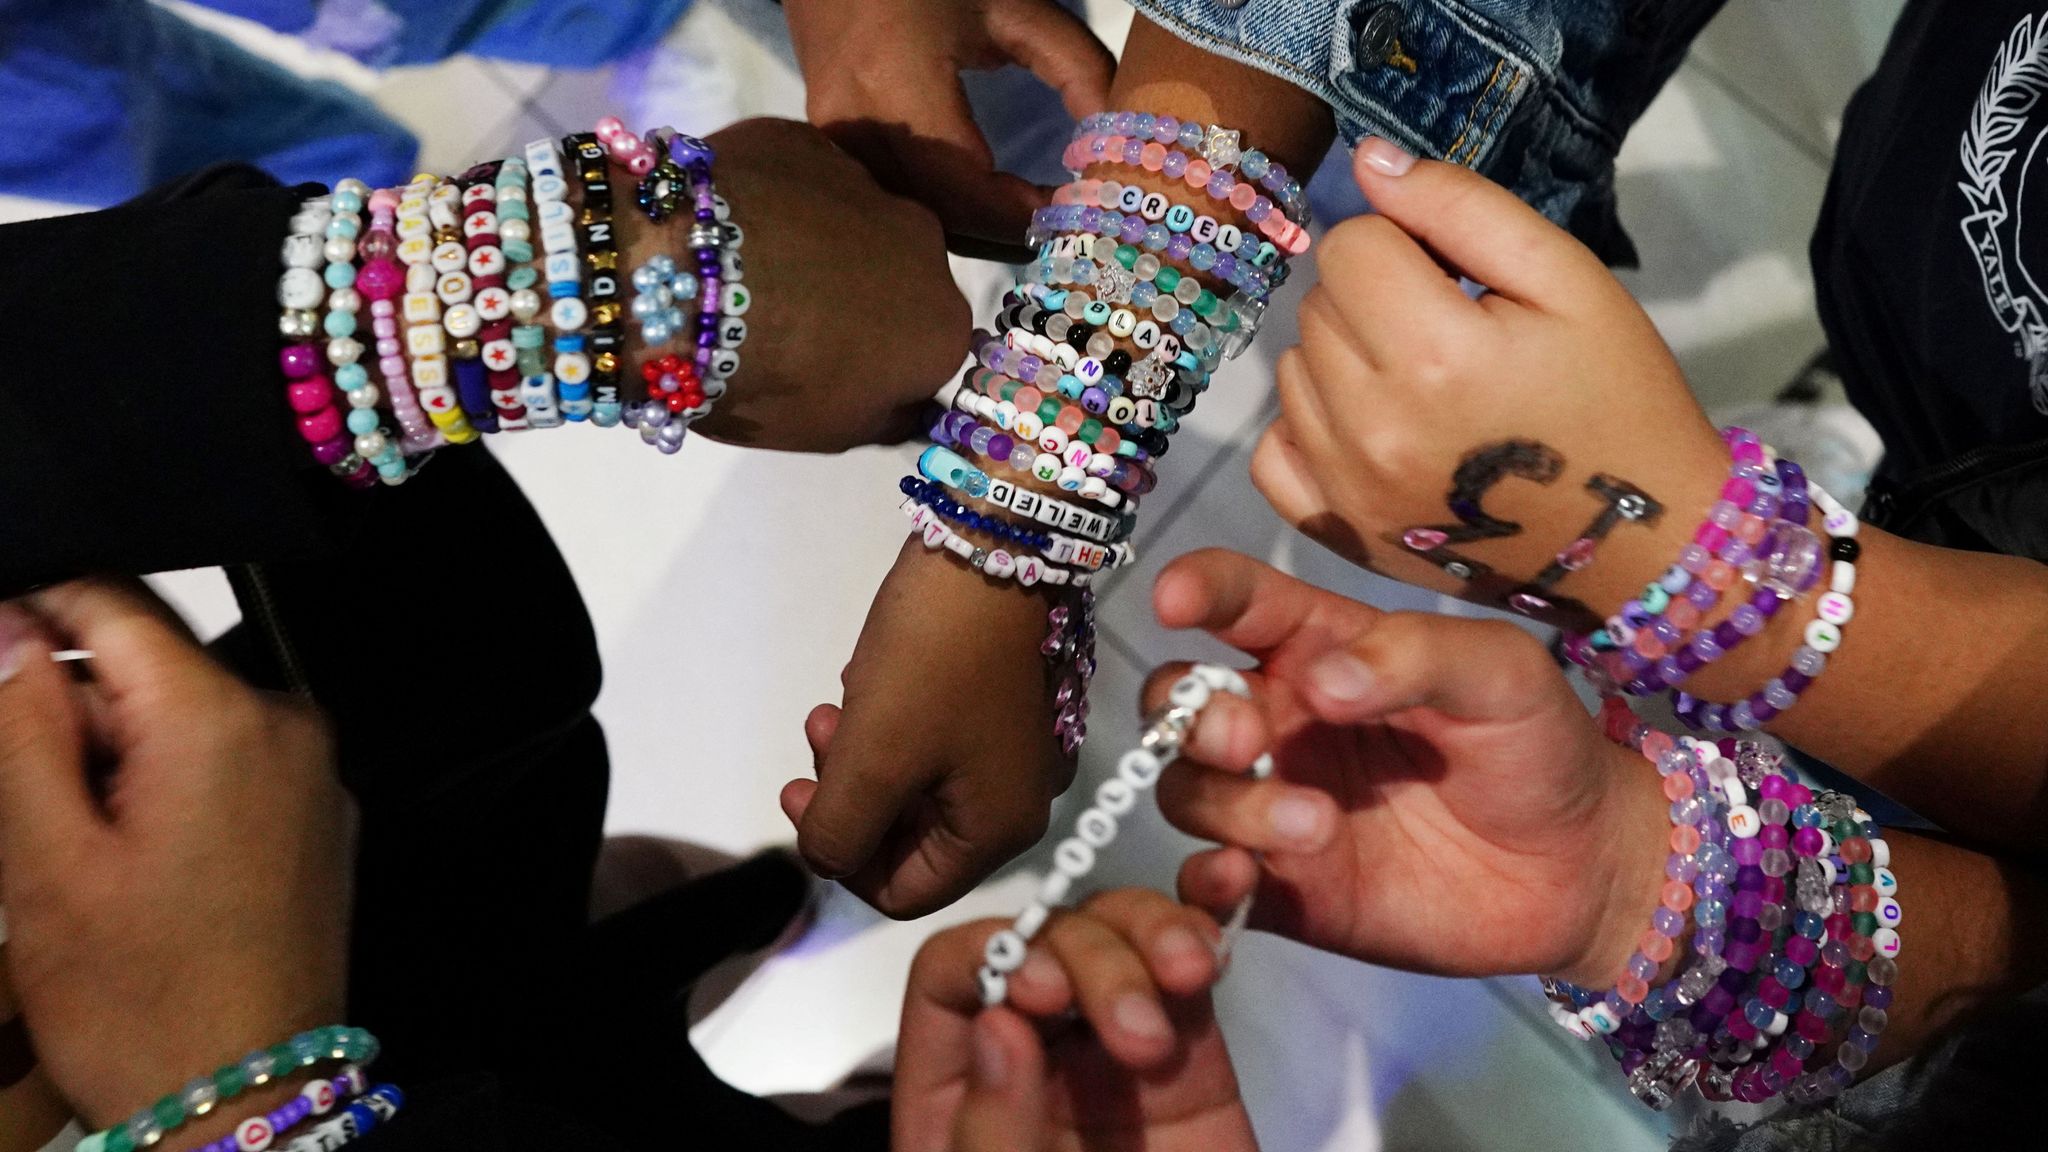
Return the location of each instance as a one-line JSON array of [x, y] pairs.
[[2011, 91]]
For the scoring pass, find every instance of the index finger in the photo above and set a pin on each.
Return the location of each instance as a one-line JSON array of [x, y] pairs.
[[1255, 607], [140, 647]]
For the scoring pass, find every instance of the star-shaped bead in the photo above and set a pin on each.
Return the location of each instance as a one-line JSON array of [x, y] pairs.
[[1114, 283], [1145, 379], [1222, 148]]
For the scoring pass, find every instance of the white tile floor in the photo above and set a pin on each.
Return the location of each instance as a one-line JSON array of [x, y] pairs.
[[1719, 186]]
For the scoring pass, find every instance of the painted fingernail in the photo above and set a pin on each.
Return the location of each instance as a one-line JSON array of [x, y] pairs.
[[1342, 677], [1297, 819], [1384, 156], [1140, 1016], [991, 1063], [14, 631]]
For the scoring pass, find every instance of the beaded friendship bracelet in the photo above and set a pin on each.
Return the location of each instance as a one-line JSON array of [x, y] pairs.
[[997, 562], [201, 1096], [1219, 147], [1096, 828]]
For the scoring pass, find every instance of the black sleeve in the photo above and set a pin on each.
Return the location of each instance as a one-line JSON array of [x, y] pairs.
[[146, 428]]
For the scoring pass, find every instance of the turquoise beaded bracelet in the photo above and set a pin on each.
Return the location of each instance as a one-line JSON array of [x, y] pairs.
[[148, 1127]]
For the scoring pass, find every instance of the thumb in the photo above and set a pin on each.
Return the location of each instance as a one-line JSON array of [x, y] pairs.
[[863, 788], [1476, 226], [1476, 670], [1058, 48], [1004, 1107], [47, 811]]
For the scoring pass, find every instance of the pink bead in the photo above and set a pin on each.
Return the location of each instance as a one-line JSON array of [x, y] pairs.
[[1740, 1028], [393, 367], [332, 452], [1711, 537], [309, 396], [1786, 1063], [385, 327], [380, 280], [1799, 794], [384, 200], [1153, 158], [1241, 197], [362, 478], [389, 346], [1801, 951], [320, 426], [1748, 452], [1739, 491], [1774, 787], [1198, 173], [610, 129], [640, 164]]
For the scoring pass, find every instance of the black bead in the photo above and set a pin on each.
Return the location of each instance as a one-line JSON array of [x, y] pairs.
[[1844, 549], [1078, 336], [1117, 363], [1039, 321]]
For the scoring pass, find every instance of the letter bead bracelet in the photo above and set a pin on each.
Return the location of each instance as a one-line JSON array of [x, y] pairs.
[[200, 1097], [1096, 828], [497, 304]]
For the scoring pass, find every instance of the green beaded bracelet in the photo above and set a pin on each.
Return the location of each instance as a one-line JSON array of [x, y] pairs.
[[148, 1127]]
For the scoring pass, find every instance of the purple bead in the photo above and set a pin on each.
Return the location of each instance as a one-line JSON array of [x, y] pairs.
[[1688, 661], [1000, 446], [1165, 129], [1718, 1000], [1179, 247], [1727, 635], [332, 452], [1748, 853], [1877, 996], [1094, 401], [298, 360], [1702, 596], [1667, 922], [1176, 165], [1763, 710], [1133, 229], [1134, 151], [1796, 681], [1226, 266], [1220, 185], [1746, 620]]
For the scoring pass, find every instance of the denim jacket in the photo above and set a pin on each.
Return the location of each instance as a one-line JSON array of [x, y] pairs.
[[1535, 94]]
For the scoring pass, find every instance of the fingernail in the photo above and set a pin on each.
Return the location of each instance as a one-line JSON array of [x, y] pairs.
[[991, 1063], [1177, 945], [14, 630], [1040, 970], [1295, 818], [1384, 156], [1342, 677], [1140, 1016]]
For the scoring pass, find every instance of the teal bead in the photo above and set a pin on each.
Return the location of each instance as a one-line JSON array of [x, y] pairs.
[[521, 277], [362, 421], [97, 1142], [514, 210], [350, 377], [339, 324], [529, 336], [518, 251], [1097, 313], [1655, 599], [1054, 301], [340, 275], [343, 228], [391, 468], [348, 200]]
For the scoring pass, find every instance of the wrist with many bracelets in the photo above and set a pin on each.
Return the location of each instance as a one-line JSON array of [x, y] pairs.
[[497, 304], [1115, 329]]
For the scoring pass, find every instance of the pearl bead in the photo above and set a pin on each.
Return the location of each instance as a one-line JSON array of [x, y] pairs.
[[371, 444], [345, 300]]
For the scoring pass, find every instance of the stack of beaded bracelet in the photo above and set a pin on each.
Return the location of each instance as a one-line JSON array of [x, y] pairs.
[[454, 287], [1075, 857], [317, 1098], [203, 1095], [1773, 981], [1099, 352], [1756, 532]]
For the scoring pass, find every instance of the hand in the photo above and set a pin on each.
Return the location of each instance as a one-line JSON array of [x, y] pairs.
[[941, 766], [856, 319], [1441, 802], [191, 903], [883, 79], [1146, 1067], [1401, 378]]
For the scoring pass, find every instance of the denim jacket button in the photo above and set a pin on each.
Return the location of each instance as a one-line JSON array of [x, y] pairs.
[[1376, 33]]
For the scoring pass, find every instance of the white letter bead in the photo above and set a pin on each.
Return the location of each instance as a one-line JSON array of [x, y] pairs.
[[1834, 608], [254, 1135], [1840, 523], [1822, 636], [319, 1094], [1885, 881], [569, 314], [1880, 854], [1887, 941], [1140, 769], [1188, 692], [1074, 857], [1843, 578], [1005, 951], [1054, 888], [462, 321], [426, 340], [450, 257], [1095, 828], [1744, 822], [1116, 796], [1888, 912], [994, 987], [1599, 1017], [1031, 919]]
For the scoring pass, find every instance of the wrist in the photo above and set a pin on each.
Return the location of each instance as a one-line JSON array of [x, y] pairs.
[[1637, 822]]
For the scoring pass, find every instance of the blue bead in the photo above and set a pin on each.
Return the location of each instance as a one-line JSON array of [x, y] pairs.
[[340, 275], [521, 278], [1789, 973], [1202, 257], [362, 421], [1759, 1013], [342, 228], [339, 324], [348, 200], [561, 289], [350, 377], [517, 252], [1184, 321], [569, 342], [392, 468]]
